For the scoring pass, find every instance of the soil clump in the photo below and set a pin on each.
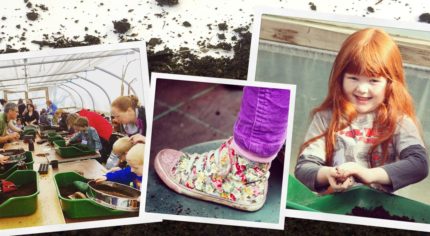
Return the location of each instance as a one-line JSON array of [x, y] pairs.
[[378, 212], [121, 26]]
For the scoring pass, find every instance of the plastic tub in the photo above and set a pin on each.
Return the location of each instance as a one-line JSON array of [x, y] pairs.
[[22, 205], [53, 137], [301, 198], [74, 150], [80, 208], [28, 162]]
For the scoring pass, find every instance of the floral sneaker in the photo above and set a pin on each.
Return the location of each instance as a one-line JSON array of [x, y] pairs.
[[221, 176]]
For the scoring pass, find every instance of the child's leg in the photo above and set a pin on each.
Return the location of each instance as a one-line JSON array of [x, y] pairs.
[[260, 129], [235, 174]]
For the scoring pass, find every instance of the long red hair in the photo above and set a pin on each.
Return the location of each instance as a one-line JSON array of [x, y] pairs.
[[372, 53]]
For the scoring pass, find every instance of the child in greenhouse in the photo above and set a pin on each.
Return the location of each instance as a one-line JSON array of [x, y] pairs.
[[119, 152], [366, 129], [133, 172], [86, 134]]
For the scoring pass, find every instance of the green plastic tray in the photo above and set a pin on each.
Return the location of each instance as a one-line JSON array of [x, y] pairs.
[[29, 132], [48, 127], [24, 205], [28, 162], [45, 133], [74, 150], [54, 137], [80, 208], [30, 127], [301, 198]]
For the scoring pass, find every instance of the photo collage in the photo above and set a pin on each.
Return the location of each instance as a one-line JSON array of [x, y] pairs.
[[327, 121]]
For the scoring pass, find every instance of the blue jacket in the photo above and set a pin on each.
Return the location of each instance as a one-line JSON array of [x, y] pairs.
[[125, 176], [52, 109]]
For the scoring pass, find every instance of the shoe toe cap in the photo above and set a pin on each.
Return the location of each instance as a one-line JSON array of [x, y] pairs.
[[167, 158]]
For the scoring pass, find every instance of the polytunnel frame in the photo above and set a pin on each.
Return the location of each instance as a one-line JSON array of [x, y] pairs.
[[88, 80], [63, 84], [86, 90], [77, 76], [71, 88]]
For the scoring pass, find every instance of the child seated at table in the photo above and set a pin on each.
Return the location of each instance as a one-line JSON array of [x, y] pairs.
[[86, 134], [133, 172], [14, 126], [116, 159]]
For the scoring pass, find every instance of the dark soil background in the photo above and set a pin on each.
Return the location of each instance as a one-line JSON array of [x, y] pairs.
[[185, 61], [292, 227]]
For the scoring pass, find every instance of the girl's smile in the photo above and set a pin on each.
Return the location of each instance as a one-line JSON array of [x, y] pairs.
[[365, 93]]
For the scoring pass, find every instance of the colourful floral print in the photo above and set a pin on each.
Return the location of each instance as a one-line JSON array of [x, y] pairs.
[[223, 173]]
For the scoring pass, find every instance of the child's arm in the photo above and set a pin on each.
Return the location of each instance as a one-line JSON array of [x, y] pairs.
[[12, 126], [75, 137], [96, 138], [411, 167], [413, 164], [310, 168], [124, 176]]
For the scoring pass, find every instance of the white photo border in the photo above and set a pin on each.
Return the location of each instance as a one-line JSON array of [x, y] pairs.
[[188, 78], [251, 77], [144, 83]]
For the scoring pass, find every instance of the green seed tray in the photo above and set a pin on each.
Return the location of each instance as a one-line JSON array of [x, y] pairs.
[[301, 198], [21, 205], [28, 162], [80, 208], [74, 150]]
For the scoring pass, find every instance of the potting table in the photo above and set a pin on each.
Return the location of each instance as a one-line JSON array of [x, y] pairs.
[[48, 205]]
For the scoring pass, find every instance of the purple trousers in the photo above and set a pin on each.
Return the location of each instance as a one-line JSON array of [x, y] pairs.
[[260, 129]]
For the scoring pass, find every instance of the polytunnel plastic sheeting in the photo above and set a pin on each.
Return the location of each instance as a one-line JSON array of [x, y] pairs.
[[59, 96], [309, 70], [61, 66], [66, 70], [64, 96], [101, 102]]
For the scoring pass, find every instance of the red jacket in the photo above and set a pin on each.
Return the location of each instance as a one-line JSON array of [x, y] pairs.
[[98, 122]]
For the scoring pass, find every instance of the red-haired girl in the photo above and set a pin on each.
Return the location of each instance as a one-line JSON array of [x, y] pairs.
[[366, 128]]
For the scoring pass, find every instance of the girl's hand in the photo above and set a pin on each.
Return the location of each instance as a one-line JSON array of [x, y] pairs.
[[101, 179], [365, 175], [332, 177], [137, 138], [361, 173], [3, 159]]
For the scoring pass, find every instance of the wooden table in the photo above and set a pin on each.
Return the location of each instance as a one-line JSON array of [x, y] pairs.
[[48, 205], [49, 150]]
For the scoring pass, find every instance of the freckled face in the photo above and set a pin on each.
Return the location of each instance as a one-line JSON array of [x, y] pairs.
[[365, 93]]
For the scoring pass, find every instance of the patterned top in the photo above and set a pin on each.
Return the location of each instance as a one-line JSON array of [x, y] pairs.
[[353, 144]]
